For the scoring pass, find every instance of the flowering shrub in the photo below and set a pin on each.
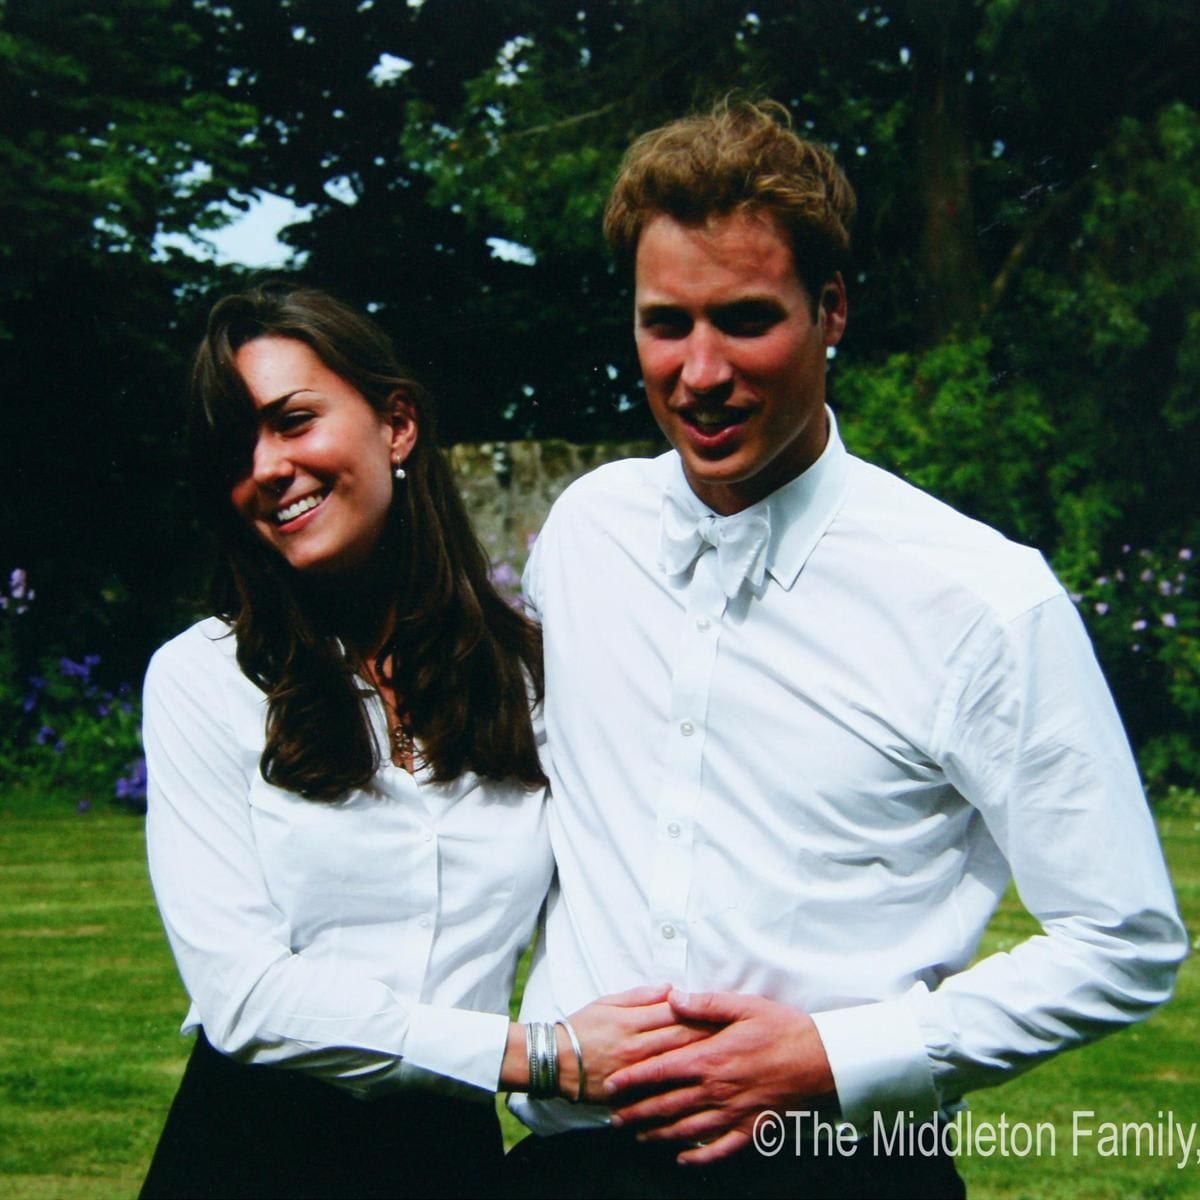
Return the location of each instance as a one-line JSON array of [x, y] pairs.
[[61, 727], [1144, 614], [506, 579], [506, 575]]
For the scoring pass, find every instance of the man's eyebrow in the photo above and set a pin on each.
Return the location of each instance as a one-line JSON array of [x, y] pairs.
[[761, 302], [732, 305]]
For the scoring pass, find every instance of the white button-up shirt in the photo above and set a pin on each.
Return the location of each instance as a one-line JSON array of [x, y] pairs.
[[817, 790], [371, 941]]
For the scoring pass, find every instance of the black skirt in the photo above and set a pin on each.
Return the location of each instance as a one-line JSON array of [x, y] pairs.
[[253, 1131]]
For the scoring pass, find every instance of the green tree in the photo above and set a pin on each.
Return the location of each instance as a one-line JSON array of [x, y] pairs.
[[112, 132]]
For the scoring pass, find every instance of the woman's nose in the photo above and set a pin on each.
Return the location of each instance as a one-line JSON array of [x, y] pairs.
[[272, 466]]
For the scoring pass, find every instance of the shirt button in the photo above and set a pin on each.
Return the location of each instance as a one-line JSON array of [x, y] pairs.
[[427, 836], [423, 922], [674, 829], [687, 728], [668, 931], [702, 623]]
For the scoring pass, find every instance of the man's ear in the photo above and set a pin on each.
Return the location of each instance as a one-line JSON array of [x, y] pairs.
[[404, 426], [832, 310]]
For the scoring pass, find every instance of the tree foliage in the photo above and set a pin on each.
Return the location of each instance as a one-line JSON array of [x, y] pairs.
[[1025, 323], [105, 113]]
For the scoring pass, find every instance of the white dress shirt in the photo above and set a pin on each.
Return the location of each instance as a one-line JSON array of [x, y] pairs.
[[371, 942], [816, 790]]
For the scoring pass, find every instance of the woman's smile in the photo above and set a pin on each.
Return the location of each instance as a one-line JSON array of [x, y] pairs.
[[319, 486]]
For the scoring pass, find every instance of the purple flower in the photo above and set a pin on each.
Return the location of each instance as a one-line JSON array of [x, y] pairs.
[[1169, 620], [1146, 575], [1101, 608], [132, 785], [45, 735], [36, 684], [1164, 587], [1186, 554], [1138, 625], [504, 575], [102, 710], [83, 806], [70, 669]]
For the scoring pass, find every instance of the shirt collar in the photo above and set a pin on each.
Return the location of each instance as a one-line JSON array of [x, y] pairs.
[[799, 512]]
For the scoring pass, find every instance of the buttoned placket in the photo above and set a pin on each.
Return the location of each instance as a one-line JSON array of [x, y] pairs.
[[425, 879], [679, 798], [409, 787]]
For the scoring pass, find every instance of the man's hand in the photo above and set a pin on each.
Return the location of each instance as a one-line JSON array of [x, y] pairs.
[[762, 1055]]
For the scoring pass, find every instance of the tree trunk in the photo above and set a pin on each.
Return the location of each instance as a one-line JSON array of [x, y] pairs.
[[943, 33]]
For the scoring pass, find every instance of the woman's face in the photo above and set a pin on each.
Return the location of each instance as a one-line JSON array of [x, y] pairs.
[[320, 482]]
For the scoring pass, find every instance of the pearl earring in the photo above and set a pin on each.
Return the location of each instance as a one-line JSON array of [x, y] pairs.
[[399, 471]]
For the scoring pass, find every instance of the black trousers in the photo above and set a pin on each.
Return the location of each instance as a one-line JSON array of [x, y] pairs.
[[249, 1131], [607, 1164]]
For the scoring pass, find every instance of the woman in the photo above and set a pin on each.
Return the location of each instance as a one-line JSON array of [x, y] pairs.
[[346, 830]]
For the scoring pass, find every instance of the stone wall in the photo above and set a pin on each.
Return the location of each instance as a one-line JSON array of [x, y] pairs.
[[508, 488]]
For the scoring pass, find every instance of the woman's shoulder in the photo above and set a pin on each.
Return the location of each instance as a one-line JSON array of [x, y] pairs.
[[208, 643], [202, 661]]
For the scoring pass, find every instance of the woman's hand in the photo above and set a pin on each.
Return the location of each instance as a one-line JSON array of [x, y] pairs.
[[618, 1031], [614, 1032]]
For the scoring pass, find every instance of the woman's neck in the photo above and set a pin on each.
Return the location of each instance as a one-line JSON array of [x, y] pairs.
[[357, 608]]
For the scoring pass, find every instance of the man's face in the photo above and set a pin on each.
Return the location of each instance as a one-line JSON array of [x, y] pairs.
[[732, 357]]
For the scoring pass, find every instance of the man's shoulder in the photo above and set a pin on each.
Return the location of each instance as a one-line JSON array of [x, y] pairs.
[[619, 478], [932, 537], [612, 494]]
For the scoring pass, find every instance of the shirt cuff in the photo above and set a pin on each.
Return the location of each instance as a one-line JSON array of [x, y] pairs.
[[878, 1060], [457, 1043]]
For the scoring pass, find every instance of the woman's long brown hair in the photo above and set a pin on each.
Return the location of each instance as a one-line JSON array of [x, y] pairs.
[[466, 664]]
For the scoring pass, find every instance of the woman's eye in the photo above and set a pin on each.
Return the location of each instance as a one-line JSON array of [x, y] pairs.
[[295, 421]]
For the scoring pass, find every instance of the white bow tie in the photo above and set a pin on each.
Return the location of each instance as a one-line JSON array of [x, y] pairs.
[[740, 541]]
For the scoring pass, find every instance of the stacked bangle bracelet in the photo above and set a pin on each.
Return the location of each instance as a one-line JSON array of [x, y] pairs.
[[541, 1044], [581, 1086]]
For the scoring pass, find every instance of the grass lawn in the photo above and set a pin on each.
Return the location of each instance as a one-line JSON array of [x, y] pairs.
[[89, 1054]]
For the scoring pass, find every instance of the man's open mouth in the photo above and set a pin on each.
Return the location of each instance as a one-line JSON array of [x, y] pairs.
[[713, 420]]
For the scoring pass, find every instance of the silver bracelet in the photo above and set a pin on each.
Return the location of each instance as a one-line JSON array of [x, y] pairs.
[[541, 1042], [573, 1038], [531, 1050]]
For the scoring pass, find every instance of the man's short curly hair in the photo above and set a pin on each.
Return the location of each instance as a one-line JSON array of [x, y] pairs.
[[741, 157]]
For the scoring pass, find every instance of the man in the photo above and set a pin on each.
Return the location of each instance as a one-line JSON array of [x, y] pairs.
[[803, 723]]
